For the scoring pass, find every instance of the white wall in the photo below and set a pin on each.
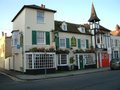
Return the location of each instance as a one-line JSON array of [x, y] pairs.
[[7, 63], [31, 22], [77, 36]]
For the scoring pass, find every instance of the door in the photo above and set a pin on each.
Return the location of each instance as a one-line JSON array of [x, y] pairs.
[[81, 62]]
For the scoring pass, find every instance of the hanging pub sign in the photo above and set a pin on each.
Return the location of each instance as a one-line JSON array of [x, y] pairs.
[[73, 41]]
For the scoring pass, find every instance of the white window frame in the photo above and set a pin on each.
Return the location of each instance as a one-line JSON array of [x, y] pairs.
[[39, 38], [40, 60], [60, 61], [64, 26], [40, 17], [60, 44], [83, 43]]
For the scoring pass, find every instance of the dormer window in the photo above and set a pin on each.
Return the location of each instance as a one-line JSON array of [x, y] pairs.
[[81, 29], [64, 26]]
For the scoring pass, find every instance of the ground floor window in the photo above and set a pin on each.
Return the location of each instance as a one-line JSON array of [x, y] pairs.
[[40, 61], [90, 59], [62, 59], [115, 54]]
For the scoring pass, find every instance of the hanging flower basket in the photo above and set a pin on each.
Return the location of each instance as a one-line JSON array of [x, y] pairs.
[[79, 51], [35, 49], [62, 51]]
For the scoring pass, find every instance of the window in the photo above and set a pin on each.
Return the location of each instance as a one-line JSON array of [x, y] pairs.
[[73, 41], [40, 61], [40, 37], [116, 42], [89, 59], [82, 43], [64, 26], [62, 59], [15, 38], [87, 43], [115, 54], [29, 60], [40, 17], [62, 43]]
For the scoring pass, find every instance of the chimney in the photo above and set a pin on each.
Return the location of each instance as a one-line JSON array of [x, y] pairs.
[[2, 33], [42, 6], [5, 34]]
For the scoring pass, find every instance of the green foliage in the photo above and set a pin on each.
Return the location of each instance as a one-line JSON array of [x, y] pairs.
[[72, 60]]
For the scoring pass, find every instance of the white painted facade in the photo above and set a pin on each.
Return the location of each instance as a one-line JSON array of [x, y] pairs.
[[115, 46], [82, 37], [24, 24]]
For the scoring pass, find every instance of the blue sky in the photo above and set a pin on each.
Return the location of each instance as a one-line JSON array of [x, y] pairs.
[[74, 11]]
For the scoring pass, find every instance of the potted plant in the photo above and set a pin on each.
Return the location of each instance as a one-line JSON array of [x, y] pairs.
[[62, 51], [72, 60]]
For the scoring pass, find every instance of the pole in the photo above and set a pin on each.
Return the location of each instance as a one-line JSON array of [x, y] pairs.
[[45, 66]]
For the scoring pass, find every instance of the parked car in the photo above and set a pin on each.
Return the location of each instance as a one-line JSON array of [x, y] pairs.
[[115, 64]]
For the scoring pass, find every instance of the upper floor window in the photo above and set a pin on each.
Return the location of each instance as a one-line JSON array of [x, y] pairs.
[[15, 38], [40, 37], [62, 43], [64, 26], [116, 42], [81, 29], [40, 17]]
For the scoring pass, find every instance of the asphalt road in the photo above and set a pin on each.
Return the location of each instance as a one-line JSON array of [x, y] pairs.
[[108, 80]]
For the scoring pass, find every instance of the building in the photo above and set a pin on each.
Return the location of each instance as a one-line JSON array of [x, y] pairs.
[[75, 39], [115, 42], [100, 40], [5, 49], [32, 40], [41, 44]]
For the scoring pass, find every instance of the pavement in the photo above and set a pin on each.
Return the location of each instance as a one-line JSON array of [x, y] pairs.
[[18, 76]]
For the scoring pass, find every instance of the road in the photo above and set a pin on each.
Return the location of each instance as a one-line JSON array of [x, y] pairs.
[[107, 80]]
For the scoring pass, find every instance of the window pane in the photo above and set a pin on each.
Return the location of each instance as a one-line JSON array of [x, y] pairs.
[[63, 59], [40, 38], [40, 17], [62, 42], [15, 38]]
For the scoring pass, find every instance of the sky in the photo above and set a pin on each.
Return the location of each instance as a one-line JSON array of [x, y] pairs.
[[74, 11]]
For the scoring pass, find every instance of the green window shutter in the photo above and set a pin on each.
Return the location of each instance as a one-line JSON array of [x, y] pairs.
[[87, 44], [67, 43], [47, 38], [79, 43], [34, 37]]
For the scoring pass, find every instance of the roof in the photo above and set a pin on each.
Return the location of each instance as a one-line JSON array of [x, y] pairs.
[[102, 30], [93, 16], [71, 28], [33, 7], [116, 32]]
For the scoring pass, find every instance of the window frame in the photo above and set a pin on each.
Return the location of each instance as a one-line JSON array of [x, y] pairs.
[[15, 39], [40, 17], [38, 38], [40, 60], [60, 61], [60, 44]]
